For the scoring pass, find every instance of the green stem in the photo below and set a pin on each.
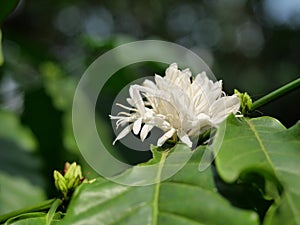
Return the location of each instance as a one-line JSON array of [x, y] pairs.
[[276, 94], [52, 210], [36, 208]]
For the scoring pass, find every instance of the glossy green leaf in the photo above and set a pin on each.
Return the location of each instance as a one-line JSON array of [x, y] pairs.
[[16, 192], [188, 198], [264, 146], [35, 213], [33, 219]]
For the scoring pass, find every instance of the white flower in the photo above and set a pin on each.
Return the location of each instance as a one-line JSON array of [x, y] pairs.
[[178, 104]]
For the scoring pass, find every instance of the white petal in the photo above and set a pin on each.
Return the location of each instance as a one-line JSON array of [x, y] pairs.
[[183, 79], [145, 130], [199, 127], [184, 138], [161, 83], [121, 120], [160, 123], [165, 137], [172, 72], [200, 122], [136, 98], [223, 107], [202, 116], [149, 91], [181, 102], [206, 92], [215, 91], [187, 71], [201, 91], [123, 133], [137, 126], [201, 79], [130, 101], [149, 84]]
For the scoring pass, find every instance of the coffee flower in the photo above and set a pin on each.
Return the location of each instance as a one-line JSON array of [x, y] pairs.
[[180, 105]]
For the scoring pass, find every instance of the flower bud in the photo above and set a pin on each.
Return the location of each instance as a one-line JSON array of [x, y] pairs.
[[70, 171], [60, 182], [246, 101], [71, 179]]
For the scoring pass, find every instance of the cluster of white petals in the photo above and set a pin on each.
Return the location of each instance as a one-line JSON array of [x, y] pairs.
[[178, 104]]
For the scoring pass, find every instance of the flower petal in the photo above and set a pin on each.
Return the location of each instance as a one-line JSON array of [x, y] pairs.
[[221, 108], [123, 133], [149, 84], [184, 138], [165, 137], [121, 120], [130, 101], [183, 79], [145, 130], [206, 92], [159, 122], [137, 98], [137, 126], [172, 72], [161, 83]]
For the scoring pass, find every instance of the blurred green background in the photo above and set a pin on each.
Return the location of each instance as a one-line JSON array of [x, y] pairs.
[[47, 45]]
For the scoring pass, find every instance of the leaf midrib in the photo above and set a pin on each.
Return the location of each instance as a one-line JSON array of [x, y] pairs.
[[262, 146], [157, 188]]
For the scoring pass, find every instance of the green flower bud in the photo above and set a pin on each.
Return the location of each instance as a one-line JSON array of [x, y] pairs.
[[58, 178], [246, 101], [70, 170], [73, 175], [77, 172], [71, 179], [60, 182]]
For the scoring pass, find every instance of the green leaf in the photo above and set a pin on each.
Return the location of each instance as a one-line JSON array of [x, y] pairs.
[[36, 218], [16, 192], [188, 198], [264, 146]]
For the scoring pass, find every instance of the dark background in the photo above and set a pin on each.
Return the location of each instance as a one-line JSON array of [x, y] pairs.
[[47, 45]]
